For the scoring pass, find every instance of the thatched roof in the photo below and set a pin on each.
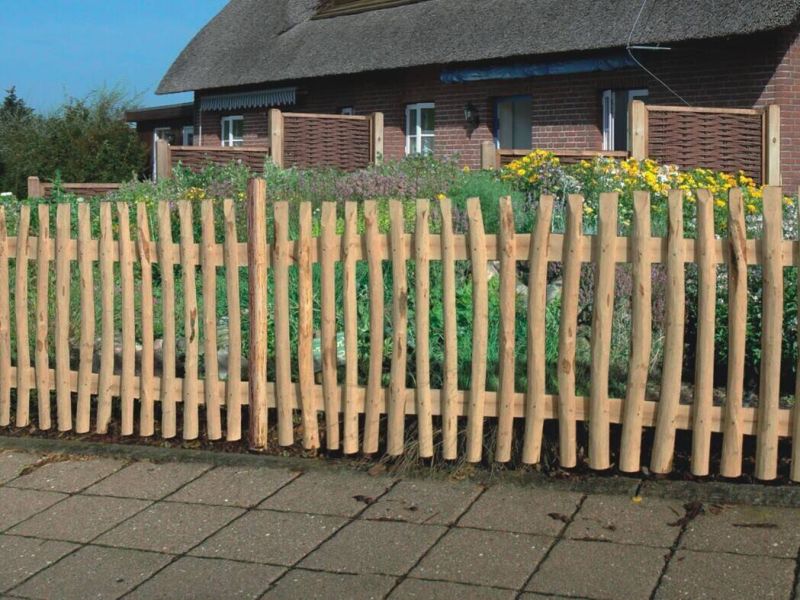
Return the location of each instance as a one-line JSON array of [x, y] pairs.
[[265, 41]]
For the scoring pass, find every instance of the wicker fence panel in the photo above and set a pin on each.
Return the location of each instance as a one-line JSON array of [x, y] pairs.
[[326, 141], [197, 157], [82, 190], [724, 140]]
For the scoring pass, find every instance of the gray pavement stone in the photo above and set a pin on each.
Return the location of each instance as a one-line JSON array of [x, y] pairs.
[[522, 510], [317, 585], [68, 476], [23, 557], [418, 589], [234, 486], [11, 463], [19, 505], [700, 575], [207, 579], [147, 481], [170, 527], [434, 502], [79, 518], [328, 493], [278, 538], [745, 530], [93, 572], [619, 519], [488, 558], [381, 547], [599, 570]]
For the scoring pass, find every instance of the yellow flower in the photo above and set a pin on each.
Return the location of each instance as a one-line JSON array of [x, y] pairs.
[[441, 197], [466, 169], [751, 208], [521, 172], [788, 201], [720, 203]]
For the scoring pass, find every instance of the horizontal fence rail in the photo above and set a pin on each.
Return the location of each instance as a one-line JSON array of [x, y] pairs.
[[109, 381]]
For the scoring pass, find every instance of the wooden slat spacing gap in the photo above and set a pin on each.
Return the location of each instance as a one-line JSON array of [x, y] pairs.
[[570, 283], [191, 321], [128, 318], [602, 319], [771, 338], [508, 302], [42, 300], [147, 360], [675, 314], [422, 309], [63, 396], [21, 308], [327, 246], [706, 308], [480, 326], [233, 385], [449, 409], [166, 258], [641, 337], [5, 326], [83, 410], [536, 333], [376, 318], [350, 303], [731, 461], [213, 388], [106, 260], [395, 439], [305, 330], [258, 260], [283, 366]]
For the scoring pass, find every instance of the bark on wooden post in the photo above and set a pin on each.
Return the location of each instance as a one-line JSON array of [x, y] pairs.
[[35, 188], [376, 143], [276, 136], [488, 155], [772, 145], [637, 128], [163, 160]]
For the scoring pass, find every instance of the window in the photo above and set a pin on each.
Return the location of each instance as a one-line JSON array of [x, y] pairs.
[[420, 126], [188, 135], [163, 133], [513, 122], [347, 110], [233, 131], [615, 117]]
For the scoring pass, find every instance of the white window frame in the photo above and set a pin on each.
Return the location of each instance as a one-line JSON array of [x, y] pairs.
[[610, 110], [188, 130], [231, 141], [158, 133], [417, 136]]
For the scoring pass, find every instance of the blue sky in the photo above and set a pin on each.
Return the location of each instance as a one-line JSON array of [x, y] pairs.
[[51, 49]]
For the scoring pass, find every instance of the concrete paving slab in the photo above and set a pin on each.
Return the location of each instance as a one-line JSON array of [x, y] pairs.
[[169, 527], [208, 579], [488, 558], [12, 462], [419, 589], [93, 572], [318, 585], [620, 519], [745, 530], [147, 481], [23, 557], [234, 486], [698, 575], [278, 538], [68, 476], [381, 547], [79, 518], [328, 493], [434, 502], [599, 570], [19, 505], [521, 510]]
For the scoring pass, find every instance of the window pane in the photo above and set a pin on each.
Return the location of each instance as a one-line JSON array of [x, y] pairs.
[[428, 125], [411, 126], [412, 144], [427, 144], [238, 129]]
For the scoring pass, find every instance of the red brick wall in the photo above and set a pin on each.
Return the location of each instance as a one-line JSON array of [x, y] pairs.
[[744, 73]]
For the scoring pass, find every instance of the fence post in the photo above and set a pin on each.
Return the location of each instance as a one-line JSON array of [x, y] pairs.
[[163, 160], [376, 143], [34, 188], [488, 155], [772, 145], [276, 136], [637, 128]]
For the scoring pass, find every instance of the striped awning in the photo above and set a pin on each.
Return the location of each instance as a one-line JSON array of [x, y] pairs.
[[257, 99]]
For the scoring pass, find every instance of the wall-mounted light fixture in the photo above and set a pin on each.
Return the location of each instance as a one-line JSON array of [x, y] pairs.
[[471, 115]]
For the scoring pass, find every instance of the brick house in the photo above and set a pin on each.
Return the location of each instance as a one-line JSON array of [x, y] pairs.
[[449, 75]]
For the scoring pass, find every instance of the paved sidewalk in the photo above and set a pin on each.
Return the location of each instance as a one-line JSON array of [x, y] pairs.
[[107, 528]]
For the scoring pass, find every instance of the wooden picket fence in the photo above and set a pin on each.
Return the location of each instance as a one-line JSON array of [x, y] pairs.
[[87, 400]]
